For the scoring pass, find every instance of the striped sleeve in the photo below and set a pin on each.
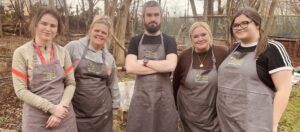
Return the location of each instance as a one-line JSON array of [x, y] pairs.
[[278, 58], [21, 79], [69, 80]]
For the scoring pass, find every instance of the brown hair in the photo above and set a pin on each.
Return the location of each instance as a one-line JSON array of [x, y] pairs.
[[38, 16], [102, 20], [256, 18]]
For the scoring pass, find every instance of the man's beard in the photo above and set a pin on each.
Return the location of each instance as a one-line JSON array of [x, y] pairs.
[[152, 28]]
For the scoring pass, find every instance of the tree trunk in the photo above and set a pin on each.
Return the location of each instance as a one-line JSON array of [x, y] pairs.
[[220, 10], [106, 7], [270, 15], [66, 17], [205, 11], [121, 24], [51, 3], [194, 10], [210, 9], [1, 32], [272, 7]]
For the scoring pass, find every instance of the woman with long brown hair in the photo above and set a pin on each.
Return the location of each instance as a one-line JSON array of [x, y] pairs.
[[43, 77], [254, 81]]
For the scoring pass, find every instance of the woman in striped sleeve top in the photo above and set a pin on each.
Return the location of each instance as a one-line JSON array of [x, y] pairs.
[[43, 77], [254, 81]]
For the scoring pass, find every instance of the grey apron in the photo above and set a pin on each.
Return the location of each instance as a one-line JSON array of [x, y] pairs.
[[92, 99], [244, 102], [197, 99], [47, 82], [152, 108]]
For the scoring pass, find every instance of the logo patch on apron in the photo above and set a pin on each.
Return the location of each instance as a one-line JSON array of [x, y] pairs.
[[235, 61], [93, 68], [201, 78], [49, 75], [151, 54], [236, 58]]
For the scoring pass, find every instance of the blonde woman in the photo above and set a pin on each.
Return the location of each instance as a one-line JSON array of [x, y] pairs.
[[97, 92], [195, 81]]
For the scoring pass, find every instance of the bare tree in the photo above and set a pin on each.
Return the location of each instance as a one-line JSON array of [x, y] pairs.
[[66, 10], [121, 24], [208, 9], [220, 9], [193, 8], [51, 3], [270, 15], [18, 6], [1, 32]]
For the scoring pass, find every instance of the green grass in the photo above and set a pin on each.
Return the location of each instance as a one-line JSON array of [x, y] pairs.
[[290, 121]]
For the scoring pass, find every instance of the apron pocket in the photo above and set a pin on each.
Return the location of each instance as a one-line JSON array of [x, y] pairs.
[[232, 104]]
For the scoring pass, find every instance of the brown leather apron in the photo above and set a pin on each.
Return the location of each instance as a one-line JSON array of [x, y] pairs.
[[244, 102], [152, 107], [197, 99], [47, 82], [92, 99]]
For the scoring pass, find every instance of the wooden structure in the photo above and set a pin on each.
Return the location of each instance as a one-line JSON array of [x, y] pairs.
[[293, 48]]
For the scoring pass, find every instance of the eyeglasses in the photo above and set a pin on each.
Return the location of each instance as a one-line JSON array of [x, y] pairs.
[[243, 25]]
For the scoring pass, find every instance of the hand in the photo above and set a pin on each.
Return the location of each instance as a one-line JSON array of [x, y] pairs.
[[60, 111], [53, 122], [275, 127]]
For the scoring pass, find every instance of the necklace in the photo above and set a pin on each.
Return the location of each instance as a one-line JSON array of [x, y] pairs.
[[201, 61]]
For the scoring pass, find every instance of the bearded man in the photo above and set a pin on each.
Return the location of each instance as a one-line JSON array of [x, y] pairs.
[[152, 56]]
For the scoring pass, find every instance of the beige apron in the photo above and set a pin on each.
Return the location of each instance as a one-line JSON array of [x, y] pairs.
[[152, 108], [197, 99], [244, 103], [92, 99], [47, 82]]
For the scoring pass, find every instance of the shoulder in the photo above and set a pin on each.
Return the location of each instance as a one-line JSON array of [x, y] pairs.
[[277, 49], [136, 37], [25, 48], [168, 38], [220, 49], [275, 46], [108, 54], [186, 53], [75, 43]]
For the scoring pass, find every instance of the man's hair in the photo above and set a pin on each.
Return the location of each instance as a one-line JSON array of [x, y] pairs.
[[151, 4]]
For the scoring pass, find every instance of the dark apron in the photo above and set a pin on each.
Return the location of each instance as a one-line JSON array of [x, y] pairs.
[[244, 102], [197, 99], [92, 99], [152, 107], [47, 82]]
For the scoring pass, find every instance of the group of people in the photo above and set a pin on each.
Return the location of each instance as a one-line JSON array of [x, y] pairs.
[[75, 88]]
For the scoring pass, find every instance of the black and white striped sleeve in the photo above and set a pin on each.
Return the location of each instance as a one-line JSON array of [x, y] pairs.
[[278, 58]]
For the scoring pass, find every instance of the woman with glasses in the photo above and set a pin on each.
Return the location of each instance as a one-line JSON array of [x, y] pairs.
[[195, 81], [254, 81]]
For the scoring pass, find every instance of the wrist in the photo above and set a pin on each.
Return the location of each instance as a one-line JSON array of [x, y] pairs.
[[145, 62]]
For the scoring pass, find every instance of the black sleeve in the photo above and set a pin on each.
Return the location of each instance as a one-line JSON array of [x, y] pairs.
[[133, 46], [170, 45], [278, 58]]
